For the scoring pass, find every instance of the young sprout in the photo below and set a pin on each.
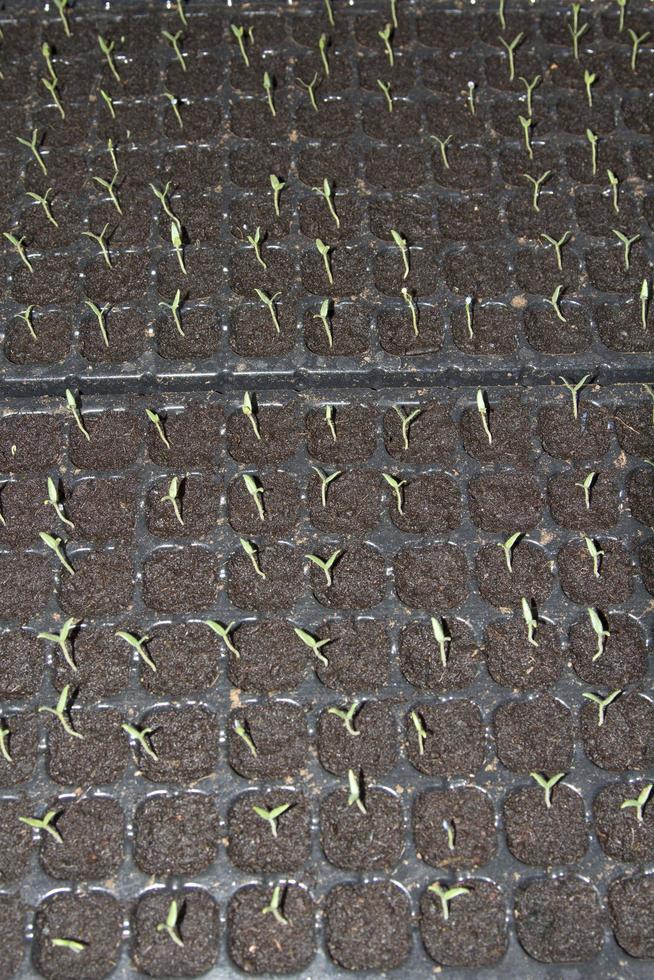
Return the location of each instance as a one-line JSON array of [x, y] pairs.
[[109, 187], [142, 738], [158, 424], [26, 315], [404, 251], [100, 317], [557, 246], [407, 296], [42, 199], [223, 632], [602, 704], [602, 634], [61, 713], [469, 303], [173, 497], [644, 302], [324, 251], [386, 89], [446, 895], [325, 564], [622, 4], [54, 501], [277, 187], [627, 243], [406, 421], [527, 122], [639, 803], [385, 37], [593, 140], [170, 925], [356, 787], [471, 97], [329, 419], [450, 829], [508, 546], [574, 392], [162, 197], [275, 905], [61, 10], [323, 316], [174, 309], [179, 6], [109, 102], [326, 192], [482, 408], [107, 48], [554, 302], [46, 824], [255, 490], [55, 544], [62, 640], [269, 302], [325, 480], [636, 41], [596, 554], [272, 816], [614, 185], [46, 51], [323, 44], [173, 40], [510, 48], [576, 31], [138, 645], [51, 86], [71, 402], [176, 241], [239, 33], [102, 244], [17, 245], [394, 13], [4, 744], [537, 183], [547, 784], [421, 731], [268, 89], [587, 485], [251, 551], [310, 88], [33, 146], [589, 80], [530, 86], [443, 145], [174, 105], [330, 13], [396, 486], [347, 717], [531, 621], [313, 644], [255, 241], [74, 945], [442, 637], [248, 409], [246, 738]]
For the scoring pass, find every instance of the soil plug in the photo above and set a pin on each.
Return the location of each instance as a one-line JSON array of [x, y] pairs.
[[622, 4], [17, 245], [636, 41], [450, 829], [589, 80], [109, 187], [51, 87], [326, 192], [575, 30], [139, 646], [627, 243], [526, 124], [251, 551], [255, 241], [158, 424], [46, 824], [639, 803], [530, 86], [347, 717], [107, 48], [42, 199], [174, 498], [596, 554], [602, 705], [404, 251], [587, 485], [176, 240], [644, 303], [61, 6], [26, 315], [174, 105], [510, 47], [174, 309], [272, 816], [170, 926], [602, 634], [310, 88], [102, 244], [482, 408], [239, 33], [77, 415], [531, 621], [323, 316], [55, 544], [323, 44], [413, 309], [537, 183], [324, 251], [614, 185], [385, 36], [268, 89], [4, 744], [574, 392], [386, 89], [356, 787], [275, 905], [244, 735], [446, 895], [325, 564], [62, 639], [406, 421], [471, 98], [313, 644], [100, 317], [249, 410], [442, 637], [162, 197], [109, 102], [421, 731], [325, 480], [547, 784], [593, 140], [557, 246], [54, 501], [256, 492], [508, 546], [173, 40], [443, 145], [223, 632], [277, 187], [329, 419], [554, 302], [142, 738], [33, 146], [61, 713], [269, 302], [396, 486]]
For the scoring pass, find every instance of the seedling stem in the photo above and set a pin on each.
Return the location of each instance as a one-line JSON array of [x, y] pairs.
[[272, 816], [176, 241], [100, 317], [109, 102], [537, 183], [158, 424], [268, 89], [596, 554], [627, 243], [329, 419], [174, 309], [574, 392], [246, 738], [587, 485], [251, 551], [614, 184], [446, 896], [576, 32], [239, 33], [277, 187], [406, 421], [469, 312], [326, 192], [323, 316], [355, 784], [275, 905], [32, 145], [255, 241], [386, 89], [173, 497], [256, 492], [55, 544], [108, 186], [527, 123], [61, 10], [138, 645], [51, 86], [4, 744], [644, 302], [325, 481], [602, 705], [531, 621], [547, 784], [347, 717], [593, 140], [508, 546], [323, 44], [42, 199], [482, 408], [385, 37], [247, 407], [413, 309], [450, 830], [71, 402], [173, 40], [510, 48], [17, 244], [442, 637], [330, 13], [174, 105], [61, 714], [557, 246], [313, 644], [324, 251], [269, 302], [401, 244], [421, 731], [554, 302], [107, 48], [170, 925], [639, 803], [589, 80], [396, 486], [325, 564]]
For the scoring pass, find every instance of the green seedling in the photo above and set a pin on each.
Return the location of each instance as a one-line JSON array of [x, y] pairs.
[[61, 6], [386, 89], [42, 199], [526, 122], [107, 48], [537, 183], [326, 192], [313, 644], [26, 315], [55, 544], [139, 646], [627, 243], [602, 634], [446, 895], [471, 98], [45, 824], [508, 546], [644, 302], [325, 480], [323, 316], [46, 51], [326, 564], [574, 392], [385, 36], [71, 944], [614, 184], [109, 102], [442, 637], [174, 105], [249, 410], [173, 497], [596, 554], [255, 241], [176, 241], [547, 784], [587, 485], [421, 731], [62, 639], [530, 86], [170, 926], [450, 829], [593, 140], [268, 89], [555, 302], [100, 317], [469, 306], [639, 803], [246, 738], [323, 44], [73, 407], [404, 251], [162, 197], [277, 188], [622, 6], [407, 296], [3, 522], [589, 80], [557, 246], [174, 309], [179, 7], [272, 816], [269, 303], [33, 146], [51, 87], [510, 47], [329, 419], [223, 632], [142, 738], [347, 717], [482, 408], [310, 88], [158, 425], [396, 486], [61, 713], [602, 704], [17, 245], [405, 421], [324, 251], [330, 13], [576, 30], [239, 33], [356, 788], [251, 551], [275, 905], [636, 41], [173, 40], [394, 13], [531, 622], [442, 146], [101, 243], [53, 500], [256, 492], [109, 186], [5, 735]]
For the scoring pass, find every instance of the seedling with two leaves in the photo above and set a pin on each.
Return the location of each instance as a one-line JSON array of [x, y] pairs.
[[272, 816], [407, 296], [174, 497], [33, 145], [157, 422], [405, 421], [596, 554], [268, 87], [447, 895], [555, 302], [327, 193], [536, 184], [277, 188], [173, 40], [256, 491], [57, 546], [102, 244], [17, 245], [442, 637], [526, 123], [61, 6], [174, 309], [62, 639], [587, 485], [223, 632], [386, 89], [421, 731], [530, 86], [547, 785], [255, 241], [252, 553], [325, 481], [324, 252], [508, 546], [100, 315], [244, 734], [636, 41], [599, 628], [639, 803], [109, 187], [442, 146], [626, 244], [324, 317], [386, 36], [510, 47], [54, 501], [26, 316], [269, 303], [531, 621], [347, 717], [602, 703], [248, 409], [240, 34], [45, 824], [71, 403], [574, 390], [313, 644], [357, 791], [557, 246], [593, 140], [107, 48], [326, 564], [171, 925], [310, 88], [275, 905], [42, 199], [396, 486], [141, 736], [139, 645], [61, 713], [576, 30], [590, 78]]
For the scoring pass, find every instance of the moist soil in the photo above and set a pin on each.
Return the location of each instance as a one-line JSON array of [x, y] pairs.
[[397, 335], [353, 502], [102, 509], [252, 844], [12, 932], [16, 840], [255, 942], [468, 813], [559, 920], [455, 742], [530, 574], [626, 739], [378, 911], [358, 655], [475, 933], [356, 841], [535, 735], [252, 332], [350, 332], [115, 441], [102, 660], [623, 660], [567, 503], [279, 428], [176, 835], [26, 584], [514, 662], [433, 578], [358, 579], [102, 584], [432, 435], [177, 580], [613, 585], [187, 657], [37, 438], [431, 503], [511, 431], [630, 901], [356, 435], [198, 924], [271, 657], [194, 435], [278, 731], [279, 589], [620, 834], [373, 751], [23, 738], [92, 831], [185, 741], [421, 661], [582, 440], [94, 919], [541, 835], [22, 664], [199, 505], [280, 501], [99, 757], [640, 495], [505, 501]]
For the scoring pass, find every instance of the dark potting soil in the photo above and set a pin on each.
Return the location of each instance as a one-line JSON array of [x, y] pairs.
[[633, 427], [373, 751], [455, 742], [198, 924], [102, 661], [184, 739], [494, 330], [278, 587], [465, 813], [431, 503], [15, 840], [356, 435], [102, 509], [433, 578], [127, 332], [26, 584], [278, 732], [640, 495], [580, 440], [626, 738], [505, 501], [201, 338], [623, 659], [187, 657], [115, 441], [621, 329], [21, 664], [99, 757], [177, 580], [348, 271], [176, 835], [52, 344], [567, 503], [475, 932], [256, 941], [389, 272], [541, 835], [559, 920], [279, 428], [254, 847], [421, 660], [194, 435], [198, 500], [432, 434], [93, 919], [620, 834], [535, 735], [271, 657], [368, 926], [358, 579], [646, 557], [23, 746], [350, 331], [102, 583], [549, 335], [352, 502], [30, 442], [357, 841], [516, 663], [252, 332], [511, 431], [358, 656], [530, 574], [12, 933], [92, 831], [615, 581], [631, 899], [397, 335], [280, 501]]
